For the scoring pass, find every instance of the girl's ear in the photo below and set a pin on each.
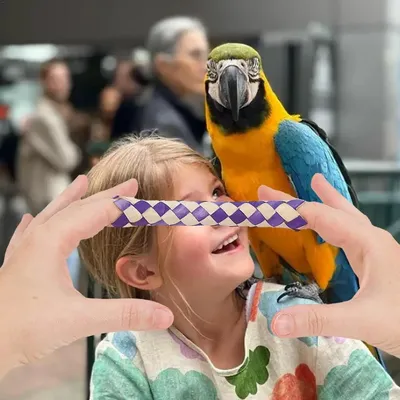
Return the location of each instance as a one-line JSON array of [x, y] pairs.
[[139, 274]]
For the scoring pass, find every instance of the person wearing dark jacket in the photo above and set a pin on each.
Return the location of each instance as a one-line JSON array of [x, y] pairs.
[[178, 48], [127, 116]]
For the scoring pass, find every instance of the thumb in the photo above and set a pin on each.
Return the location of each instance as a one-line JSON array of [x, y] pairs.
[[102, 316], [316, 320]]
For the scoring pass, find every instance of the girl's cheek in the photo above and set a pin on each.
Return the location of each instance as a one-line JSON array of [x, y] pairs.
[[191, 254]]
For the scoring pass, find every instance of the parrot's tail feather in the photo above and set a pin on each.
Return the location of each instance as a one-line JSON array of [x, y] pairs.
[[290, 275], [320, 240], [341, 283]]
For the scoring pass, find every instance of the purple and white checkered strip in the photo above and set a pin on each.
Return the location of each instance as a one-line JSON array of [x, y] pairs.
[[263, 214]]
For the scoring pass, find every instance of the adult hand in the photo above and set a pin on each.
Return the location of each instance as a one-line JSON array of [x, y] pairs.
[[39, 307], [374, 255]]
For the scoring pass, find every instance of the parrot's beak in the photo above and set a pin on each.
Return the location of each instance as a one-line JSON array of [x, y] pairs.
[[233, 89]]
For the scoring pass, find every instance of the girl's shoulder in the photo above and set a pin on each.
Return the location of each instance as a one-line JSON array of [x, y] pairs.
[[151, 351], [131, 345]]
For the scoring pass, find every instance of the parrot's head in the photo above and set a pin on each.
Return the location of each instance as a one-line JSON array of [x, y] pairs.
[[236, 88]]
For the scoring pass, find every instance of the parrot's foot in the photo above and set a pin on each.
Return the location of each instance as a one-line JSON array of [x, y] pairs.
[[296, 289]]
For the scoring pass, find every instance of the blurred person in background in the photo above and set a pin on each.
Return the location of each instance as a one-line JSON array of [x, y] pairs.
[[96, 150], [79, 128], [178, 48], [109, 102], [47, 155], [12, 206], [9, 140], [128, 112]]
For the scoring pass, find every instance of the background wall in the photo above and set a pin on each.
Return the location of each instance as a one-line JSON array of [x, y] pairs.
[[367, 32], [60, 21]]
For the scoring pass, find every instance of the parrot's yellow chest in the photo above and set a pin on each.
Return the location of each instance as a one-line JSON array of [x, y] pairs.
[[249, 162], [242, 183]]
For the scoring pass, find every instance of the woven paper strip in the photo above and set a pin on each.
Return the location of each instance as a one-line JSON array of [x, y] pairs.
[[262, 214]]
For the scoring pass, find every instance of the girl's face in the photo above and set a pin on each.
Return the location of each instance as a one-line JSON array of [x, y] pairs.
[[194, 260]]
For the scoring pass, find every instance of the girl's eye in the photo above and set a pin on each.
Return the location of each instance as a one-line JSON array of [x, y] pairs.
[[218, 192]]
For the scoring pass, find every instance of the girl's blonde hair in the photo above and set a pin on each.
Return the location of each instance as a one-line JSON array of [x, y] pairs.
[[152, 160]]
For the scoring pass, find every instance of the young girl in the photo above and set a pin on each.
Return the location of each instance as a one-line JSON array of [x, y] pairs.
[[220, 345]]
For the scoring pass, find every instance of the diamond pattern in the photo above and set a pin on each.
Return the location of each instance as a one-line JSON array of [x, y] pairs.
[[181, 210], [275, 214], [229, 208], [247, 209], [219, 215], [161, 208]]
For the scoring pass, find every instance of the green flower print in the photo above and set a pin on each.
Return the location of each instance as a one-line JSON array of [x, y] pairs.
[[116, 377], [253, 371], [171, 384], [362, 378]]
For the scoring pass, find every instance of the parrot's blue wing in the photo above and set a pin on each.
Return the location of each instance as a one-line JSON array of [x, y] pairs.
[[322, 134], [303, 154]]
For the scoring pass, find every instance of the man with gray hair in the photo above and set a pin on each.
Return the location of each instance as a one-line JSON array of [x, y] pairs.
[[178, 48]]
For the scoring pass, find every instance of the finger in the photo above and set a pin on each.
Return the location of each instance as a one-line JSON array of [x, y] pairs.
[[336, 227], [25, 221], [99, 316], [266, 193], [333, 225], [331, 197], [128, 188], [75, 192], [341, 319], [73, 224], [69, 224], [72, 193]]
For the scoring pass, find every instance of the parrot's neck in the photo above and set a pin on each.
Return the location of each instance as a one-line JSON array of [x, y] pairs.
[[252, 149], [244, 151]]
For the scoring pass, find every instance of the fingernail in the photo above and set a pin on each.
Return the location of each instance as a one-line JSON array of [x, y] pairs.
[[162, 318], [79, 177], [25, 216], [76, 180], [283, 325]]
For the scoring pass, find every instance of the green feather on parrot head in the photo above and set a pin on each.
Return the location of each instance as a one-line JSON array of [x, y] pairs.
[[235, 88], [233, 51]]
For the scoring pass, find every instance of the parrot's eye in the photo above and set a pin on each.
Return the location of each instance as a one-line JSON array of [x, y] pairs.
[[254, 68], [212, 71]]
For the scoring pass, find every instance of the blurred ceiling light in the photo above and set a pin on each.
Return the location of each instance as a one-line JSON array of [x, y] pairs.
[[33, 53], [140, 56], [109, 63]]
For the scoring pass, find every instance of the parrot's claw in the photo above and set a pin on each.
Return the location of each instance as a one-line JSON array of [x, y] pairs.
[[296, 289]]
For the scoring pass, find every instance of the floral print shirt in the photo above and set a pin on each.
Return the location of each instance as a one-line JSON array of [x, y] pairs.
[[165, 365]]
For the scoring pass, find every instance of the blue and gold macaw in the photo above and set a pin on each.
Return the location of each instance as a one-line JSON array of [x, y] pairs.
[[257, 142]]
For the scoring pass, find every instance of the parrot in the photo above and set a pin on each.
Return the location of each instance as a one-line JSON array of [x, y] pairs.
[[257, 142]]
